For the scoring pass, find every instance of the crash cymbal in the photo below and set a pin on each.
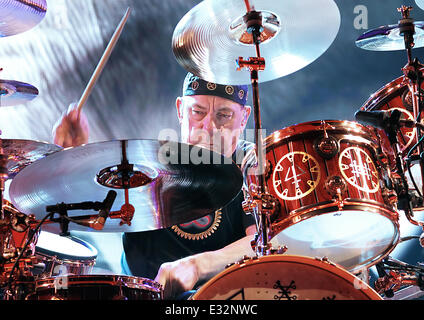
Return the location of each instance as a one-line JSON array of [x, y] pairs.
[[420, 3], [163, 193], [212, 36], [22, 153], [387, 38], [17, 16], [14, 93]]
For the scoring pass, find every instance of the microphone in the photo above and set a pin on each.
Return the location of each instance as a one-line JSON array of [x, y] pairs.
[[94, 222], [382, 119], [100, 221]]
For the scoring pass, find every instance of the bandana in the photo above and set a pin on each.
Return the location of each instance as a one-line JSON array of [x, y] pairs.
[[193, 85]]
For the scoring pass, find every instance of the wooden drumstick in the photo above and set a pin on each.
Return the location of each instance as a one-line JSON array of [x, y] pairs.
[[103, 61]]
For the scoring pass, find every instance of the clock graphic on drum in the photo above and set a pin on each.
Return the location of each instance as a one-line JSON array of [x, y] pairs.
[[296, 175], [358, 168]]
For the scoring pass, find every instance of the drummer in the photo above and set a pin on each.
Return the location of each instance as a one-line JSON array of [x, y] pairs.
[[185, 256]]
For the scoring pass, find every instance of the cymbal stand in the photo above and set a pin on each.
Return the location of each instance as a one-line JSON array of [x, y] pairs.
[[3, 169], [3, 177], [263, 201], [413, 73]]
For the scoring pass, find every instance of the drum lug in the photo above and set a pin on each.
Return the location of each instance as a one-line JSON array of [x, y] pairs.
[[327, 147], [390, 197], [336, 186], [325, 260], [279, 250]]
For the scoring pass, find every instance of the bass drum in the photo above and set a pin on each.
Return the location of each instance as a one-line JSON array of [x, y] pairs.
[[285, 277]]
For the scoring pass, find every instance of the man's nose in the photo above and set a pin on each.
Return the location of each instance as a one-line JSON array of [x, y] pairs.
[[209, 124]]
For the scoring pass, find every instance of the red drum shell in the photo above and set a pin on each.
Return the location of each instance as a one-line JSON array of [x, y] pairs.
[[285, 277], [330, 204], [394, 95]]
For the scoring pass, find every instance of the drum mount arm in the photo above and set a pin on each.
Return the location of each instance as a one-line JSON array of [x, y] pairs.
[[95, 222], [399, 274]]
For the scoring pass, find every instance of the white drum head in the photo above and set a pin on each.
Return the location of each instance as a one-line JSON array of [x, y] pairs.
[[351, 238], [64, 247]]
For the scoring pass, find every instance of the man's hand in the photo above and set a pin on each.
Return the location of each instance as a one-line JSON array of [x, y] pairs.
[[71, 129], [178, 276], [182, 275]]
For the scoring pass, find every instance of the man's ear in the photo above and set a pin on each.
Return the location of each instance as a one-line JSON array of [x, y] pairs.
[[179, 106], [247, 111]]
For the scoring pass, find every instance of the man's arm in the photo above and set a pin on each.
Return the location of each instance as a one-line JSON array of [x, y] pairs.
[[181, 275]]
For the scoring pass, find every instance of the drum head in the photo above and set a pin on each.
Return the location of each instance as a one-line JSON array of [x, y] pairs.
[[352, 238], [285, 277], [70, 248]]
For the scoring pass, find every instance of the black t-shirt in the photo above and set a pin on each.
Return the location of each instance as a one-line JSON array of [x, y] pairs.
[[144, 252]]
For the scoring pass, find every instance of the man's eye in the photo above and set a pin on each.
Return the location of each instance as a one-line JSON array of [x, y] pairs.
[[224, 116], [198, 112]]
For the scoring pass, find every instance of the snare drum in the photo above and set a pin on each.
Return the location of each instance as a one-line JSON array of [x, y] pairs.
[[332, 201], [285, 277], [96, 287], [64, 255]]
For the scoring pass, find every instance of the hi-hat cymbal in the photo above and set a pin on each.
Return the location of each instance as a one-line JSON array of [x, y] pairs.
[[167, 185], [14, 93], [212, 36], [388, 38], [22, 153], [17, 16]]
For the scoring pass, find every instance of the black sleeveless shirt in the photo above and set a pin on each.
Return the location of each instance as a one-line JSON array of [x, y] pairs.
[[144, 252]]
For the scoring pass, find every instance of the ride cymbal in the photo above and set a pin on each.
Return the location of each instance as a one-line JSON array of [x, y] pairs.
[[17, 16], [166, 181], [212, 36]]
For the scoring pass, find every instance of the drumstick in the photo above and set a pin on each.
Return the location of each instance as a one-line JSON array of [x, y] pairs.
[[102, 61]]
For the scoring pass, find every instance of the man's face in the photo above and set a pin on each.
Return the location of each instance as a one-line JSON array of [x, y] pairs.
[[212, 122]]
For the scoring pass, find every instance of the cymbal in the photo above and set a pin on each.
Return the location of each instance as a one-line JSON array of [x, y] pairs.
[[14, 93], [163, 193], [17, 16], [387, 38], [22, 153], [212, 36], [420, 3]]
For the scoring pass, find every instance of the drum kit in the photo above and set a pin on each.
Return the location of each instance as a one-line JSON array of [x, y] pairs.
[[326, 195]]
